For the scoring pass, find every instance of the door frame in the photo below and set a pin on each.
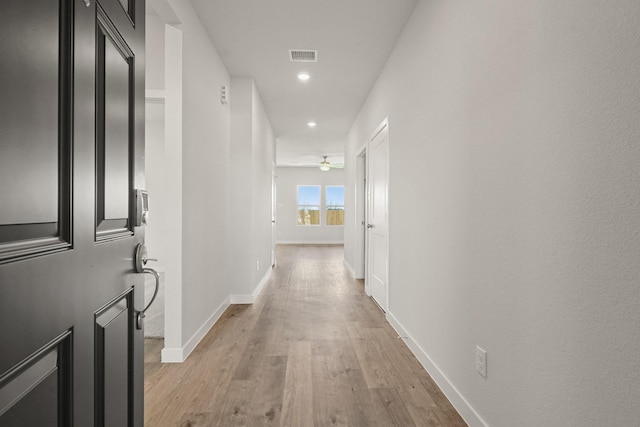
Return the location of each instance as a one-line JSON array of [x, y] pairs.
[[361, 214], [169, 242], [274, 180]]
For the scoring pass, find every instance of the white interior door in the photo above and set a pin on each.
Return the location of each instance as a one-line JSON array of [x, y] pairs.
[[378, 216]]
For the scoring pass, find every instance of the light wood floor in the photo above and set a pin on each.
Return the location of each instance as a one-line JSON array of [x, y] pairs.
[[313, 350]]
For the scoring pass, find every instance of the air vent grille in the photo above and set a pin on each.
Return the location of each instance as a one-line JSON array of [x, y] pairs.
[[299, 55]]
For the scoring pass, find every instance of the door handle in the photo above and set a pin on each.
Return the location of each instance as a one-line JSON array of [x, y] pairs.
[[369, 225], [141, 261], [141, 314]]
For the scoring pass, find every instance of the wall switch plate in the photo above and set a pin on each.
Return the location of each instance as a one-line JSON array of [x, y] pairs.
[[481, 362]]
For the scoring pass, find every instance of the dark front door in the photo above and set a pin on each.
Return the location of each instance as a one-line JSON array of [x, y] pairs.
[[71, 155]]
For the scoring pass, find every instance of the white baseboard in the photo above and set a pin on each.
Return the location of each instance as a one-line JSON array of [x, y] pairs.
[[461, 404], [171, 355], [330, 242], [262, 283], [250, 299], [179, 355], [242, 299], [351, 270]]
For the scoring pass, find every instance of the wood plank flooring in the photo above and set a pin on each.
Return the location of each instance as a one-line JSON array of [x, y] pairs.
[[313, 350]]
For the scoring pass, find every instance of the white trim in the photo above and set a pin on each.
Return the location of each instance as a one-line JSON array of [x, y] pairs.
[[154, 96], [250, 299], [380, 128], [172, 258], [263, 282], [171, 355], [348, 266], [293, 242], [456, 398], [179, 355], [242, 299], [360, 217]]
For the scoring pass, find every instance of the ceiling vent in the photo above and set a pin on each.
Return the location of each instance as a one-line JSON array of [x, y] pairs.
[[299, 55]]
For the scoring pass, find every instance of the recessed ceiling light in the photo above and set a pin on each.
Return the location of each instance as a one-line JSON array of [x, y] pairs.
[[303, 76], [311, 124]]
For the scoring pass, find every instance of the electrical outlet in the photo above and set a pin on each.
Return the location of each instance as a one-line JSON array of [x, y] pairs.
[[257, 265], [481, 362]]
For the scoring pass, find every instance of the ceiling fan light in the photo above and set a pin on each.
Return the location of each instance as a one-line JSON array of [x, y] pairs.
[[325, 165]]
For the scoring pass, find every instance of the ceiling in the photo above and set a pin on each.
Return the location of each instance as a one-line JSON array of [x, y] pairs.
[[353, 39]]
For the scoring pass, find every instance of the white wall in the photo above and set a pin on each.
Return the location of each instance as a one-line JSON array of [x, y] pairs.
[[155, 240], [205, 176], [252, 156], [189, 175], [515, 205], [210, 173], [263, 160], [241, 191], [287, 228], [154, 49]]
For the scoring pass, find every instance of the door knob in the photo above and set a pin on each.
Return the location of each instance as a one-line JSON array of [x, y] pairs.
[[141, 261], [369, 225]]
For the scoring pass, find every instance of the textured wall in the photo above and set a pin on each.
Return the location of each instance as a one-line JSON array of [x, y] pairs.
[[515, 203]]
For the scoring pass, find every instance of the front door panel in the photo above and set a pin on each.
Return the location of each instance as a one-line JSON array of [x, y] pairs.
[[114, 84], [114, 327], [71, 154], [41, 381], [35, 84]]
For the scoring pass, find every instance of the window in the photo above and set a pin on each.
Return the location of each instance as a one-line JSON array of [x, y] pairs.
[[334, 204], [308, 205]]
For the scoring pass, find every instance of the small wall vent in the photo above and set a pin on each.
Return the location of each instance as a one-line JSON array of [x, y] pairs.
[[224, 94], [299, 55]]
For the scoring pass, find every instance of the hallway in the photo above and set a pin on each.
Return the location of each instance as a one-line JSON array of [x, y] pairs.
[[313, 350]]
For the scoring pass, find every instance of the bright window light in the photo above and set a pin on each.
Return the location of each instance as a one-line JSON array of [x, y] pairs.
[[308, 205], [334, 204]]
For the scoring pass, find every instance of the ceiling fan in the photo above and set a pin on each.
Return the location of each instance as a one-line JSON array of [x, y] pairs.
[[325, 165]]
